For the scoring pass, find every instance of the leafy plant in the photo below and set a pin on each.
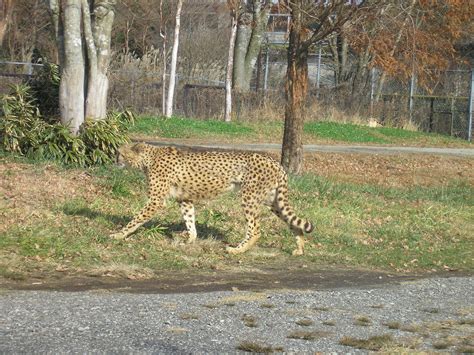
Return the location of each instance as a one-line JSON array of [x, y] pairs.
[[21, 126], [45, 88], [24, 130]]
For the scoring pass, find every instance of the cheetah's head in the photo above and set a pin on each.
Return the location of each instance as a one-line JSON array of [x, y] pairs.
[[132, 155]]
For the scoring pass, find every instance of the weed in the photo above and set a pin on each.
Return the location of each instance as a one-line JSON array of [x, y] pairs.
[[249, 321], [330, 323], [412, 328], [373, 343], [305, 322], [188, 316], [467, 321], [267, 305], [254, 347], [442, 344], [308, 335], [431, 310], [393, 325], [362, 321], [210, 305], [322, 309]]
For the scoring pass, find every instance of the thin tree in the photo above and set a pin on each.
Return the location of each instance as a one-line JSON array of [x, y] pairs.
[[174, 60], [163, 51], [310, 22], [233, 6]]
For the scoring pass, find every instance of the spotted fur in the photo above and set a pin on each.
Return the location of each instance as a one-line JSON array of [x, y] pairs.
[[191, 175]]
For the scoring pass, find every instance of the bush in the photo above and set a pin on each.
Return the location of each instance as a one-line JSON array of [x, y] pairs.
[[24, 130], [45, 89], [21, 126]]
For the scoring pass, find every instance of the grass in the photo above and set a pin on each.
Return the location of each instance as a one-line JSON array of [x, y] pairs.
[[249, 321], [254, 347], [147, 127], [308, 335], [362, 321], [374, 343], [305, 322], [67, 214], [177, 127]]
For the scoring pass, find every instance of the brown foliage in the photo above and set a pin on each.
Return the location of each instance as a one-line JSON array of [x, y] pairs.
[[412, 36]]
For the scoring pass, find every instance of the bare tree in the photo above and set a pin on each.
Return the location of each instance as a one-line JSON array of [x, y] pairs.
[[310, 22], [6, 7], [252, 24], [174, 60], [163, 49], [234, 6], [83, 41]]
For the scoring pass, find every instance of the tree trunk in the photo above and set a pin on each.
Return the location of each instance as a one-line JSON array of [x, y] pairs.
[[296, 89], [249, 39], [174, 60], [98, 56], [71, 88], [228, 77], [163, 50], [6, 7]]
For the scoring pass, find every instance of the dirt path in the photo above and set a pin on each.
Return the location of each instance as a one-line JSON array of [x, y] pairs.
[[297, 276], [361, 149]]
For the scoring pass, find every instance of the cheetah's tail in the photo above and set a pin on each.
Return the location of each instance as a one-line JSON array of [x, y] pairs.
[[286, 211]]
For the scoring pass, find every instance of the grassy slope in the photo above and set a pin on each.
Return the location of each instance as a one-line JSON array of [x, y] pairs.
[[314, 132], [409, 228]]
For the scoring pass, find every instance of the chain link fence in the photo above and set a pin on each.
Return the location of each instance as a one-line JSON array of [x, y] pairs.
[[443, 107]]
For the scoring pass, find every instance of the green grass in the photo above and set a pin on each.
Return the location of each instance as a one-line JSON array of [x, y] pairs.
[[405, 229], [272, 132], [351, 133], [177, 127]]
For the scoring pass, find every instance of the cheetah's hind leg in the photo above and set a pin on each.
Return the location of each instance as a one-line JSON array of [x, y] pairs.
[[187, 211]]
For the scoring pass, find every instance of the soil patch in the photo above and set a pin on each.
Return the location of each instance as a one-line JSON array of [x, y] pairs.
[[299, 276]]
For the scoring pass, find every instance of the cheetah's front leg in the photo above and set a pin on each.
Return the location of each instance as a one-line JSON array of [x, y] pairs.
[[142, 217], [157, 194]]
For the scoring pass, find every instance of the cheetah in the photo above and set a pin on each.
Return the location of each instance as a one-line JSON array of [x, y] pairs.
[[190, 175]]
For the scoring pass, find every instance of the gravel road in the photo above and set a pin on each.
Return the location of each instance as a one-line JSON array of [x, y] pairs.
[[326, 148], [426, 314]]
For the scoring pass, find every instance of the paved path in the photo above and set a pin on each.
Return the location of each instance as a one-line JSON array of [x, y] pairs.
[[361, 149], [424, 315]]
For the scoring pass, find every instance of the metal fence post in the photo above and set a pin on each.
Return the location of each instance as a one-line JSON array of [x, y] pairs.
[[372, 91], [318, 75], [265, 80], [412, 92], [471, 104]]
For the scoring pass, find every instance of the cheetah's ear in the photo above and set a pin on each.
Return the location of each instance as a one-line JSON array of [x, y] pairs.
[[139, 147]]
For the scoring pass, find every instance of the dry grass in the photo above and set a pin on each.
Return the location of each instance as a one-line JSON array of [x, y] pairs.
[[254, 347], [308, 335], [243, 297], [374, 343], [393, 325], [188, 316], [121, 270], [330, 323], [362, 321], [249, 321], [305, 322]]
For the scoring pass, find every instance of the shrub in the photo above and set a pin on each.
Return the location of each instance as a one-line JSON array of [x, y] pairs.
[[45, 88], [21, 126], [24, 130]]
